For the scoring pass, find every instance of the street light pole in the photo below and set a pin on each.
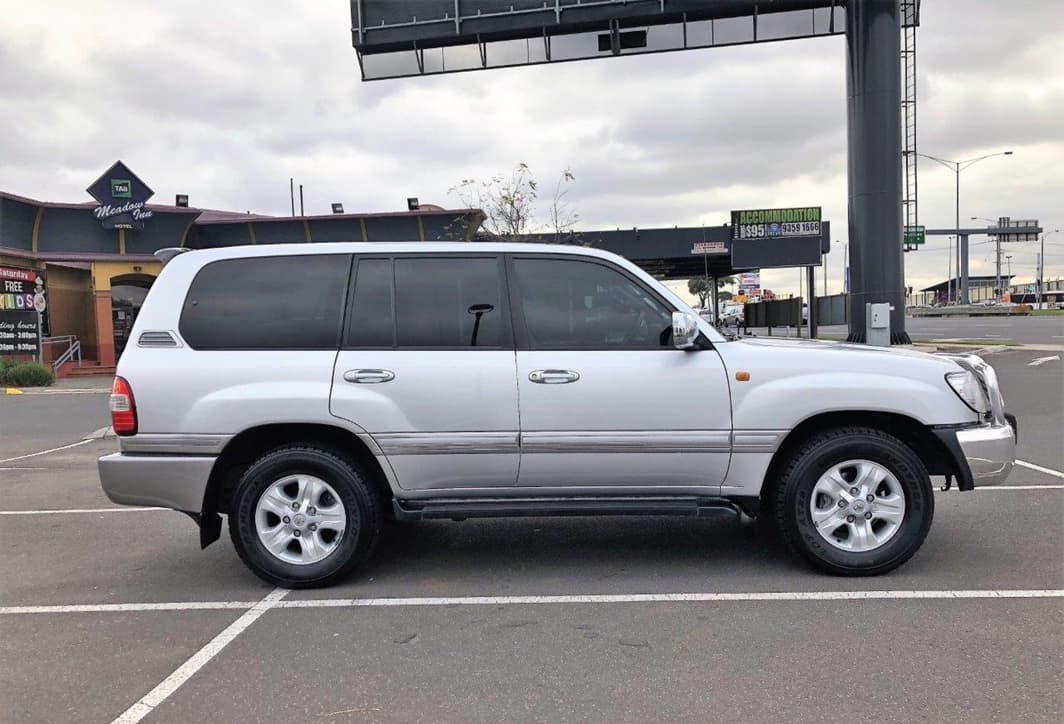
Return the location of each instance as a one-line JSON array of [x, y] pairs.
[[949, 272], [845, 255], [962, 240], [1042, 265]]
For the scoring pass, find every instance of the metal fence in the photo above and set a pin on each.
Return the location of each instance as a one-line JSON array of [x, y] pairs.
[[832, 310], [777, 313]]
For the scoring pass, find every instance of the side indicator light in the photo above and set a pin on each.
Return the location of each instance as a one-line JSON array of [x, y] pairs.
[[742, 376]]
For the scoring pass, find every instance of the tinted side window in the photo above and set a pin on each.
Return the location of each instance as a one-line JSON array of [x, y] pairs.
[[448, 302], [372, 323], [579, 304], [277, 302]]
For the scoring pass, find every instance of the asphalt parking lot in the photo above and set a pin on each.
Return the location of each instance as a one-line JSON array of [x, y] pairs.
[[114, 614]]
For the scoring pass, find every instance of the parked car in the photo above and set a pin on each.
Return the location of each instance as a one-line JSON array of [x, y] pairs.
[[732, 315], [313, 392]]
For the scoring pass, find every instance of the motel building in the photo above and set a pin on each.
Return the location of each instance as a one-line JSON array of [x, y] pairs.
[[80, 270]]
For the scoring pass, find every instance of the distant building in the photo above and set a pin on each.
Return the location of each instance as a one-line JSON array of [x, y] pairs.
[[96, 260], [980, 288]]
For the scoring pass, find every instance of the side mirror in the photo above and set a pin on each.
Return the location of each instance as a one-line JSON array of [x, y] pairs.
[[684, 330]]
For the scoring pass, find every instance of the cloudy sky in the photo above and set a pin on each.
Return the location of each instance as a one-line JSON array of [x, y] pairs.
[[227, 100]]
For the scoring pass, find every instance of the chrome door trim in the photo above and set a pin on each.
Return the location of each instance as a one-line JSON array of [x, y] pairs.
[[611, 441], [175, 444], [444, 443], [757, 441]]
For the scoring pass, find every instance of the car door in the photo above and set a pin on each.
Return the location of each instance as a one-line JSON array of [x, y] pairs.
[[427, 369], [606, 400]]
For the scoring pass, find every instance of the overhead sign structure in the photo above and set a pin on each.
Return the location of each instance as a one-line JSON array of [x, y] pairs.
[[1005, 222], [122, 198], [397, 38], [762, 223]]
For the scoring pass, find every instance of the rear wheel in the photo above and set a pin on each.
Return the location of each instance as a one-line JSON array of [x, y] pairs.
[[854, 501], [304, 517]]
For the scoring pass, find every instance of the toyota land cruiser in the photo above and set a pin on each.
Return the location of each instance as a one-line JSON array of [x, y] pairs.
[[310, 393]]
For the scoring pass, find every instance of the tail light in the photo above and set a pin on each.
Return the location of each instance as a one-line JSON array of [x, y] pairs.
[[123, 408]]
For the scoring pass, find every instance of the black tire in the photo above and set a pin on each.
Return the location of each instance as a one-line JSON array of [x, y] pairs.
[[791, 500], [352, 484]]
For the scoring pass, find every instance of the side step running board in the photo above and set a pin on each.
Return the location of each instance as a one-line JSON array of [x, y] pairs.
[[462, 508]]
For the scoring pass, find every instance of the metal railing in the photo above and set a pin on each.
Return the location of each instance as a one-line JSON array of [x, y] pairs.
[[72, 350]]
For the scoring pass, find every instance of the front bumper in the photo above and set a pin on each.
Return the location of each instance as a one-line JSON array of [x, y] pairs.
[[982, 454], [177, 482], [989, 451], [985, 453]]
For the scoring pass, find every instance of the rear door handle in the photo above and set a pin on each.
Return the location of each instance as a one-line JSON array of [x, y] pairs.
[[368, 377], [553, 377]]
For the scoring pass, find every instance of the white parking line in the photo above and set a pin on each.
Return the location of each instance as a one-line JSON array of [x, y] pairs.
[[130, 607], [196, 662], [45, 452], [1042, 360], [1039, 468], [60, 511], [1010, 487], [667, 598], [785, 596]]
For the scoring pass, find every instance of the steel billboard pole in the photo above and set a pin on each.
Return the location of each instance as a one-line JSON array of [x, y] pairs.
[[874, 181], [962, 240]]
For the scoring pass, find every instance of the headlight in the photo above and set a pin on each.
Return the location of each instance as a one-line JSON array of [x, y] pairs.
[[967, 387]]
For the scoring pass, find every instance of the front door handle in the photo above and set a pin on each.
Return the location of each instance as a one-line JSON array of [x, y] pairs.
[[553, 377], [368, 377]]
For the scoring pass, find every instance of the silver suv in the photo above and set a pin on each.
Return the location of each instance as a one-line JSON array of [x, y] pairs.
[[312, 393]]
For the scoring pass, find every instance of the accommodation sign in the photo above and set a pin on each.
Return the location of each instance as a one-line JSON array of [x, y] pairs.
[[122, 198], [776, 223]]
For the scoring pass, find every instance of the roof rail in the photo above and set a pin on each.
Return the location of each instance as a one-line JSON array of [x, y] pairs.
[[165, 255]]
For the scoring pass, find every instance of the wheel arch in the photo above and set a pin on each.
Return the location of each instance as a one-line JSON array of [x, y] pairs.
[[250, 444], [933, 453]]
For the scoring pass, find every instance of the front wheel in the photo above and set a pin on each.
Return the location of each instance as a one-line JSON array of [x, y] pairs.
[[854, 501], [304, 517]]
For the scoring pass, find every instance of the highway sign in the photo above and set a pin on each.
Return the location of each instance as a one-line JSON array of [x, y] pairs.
[[915, 235]]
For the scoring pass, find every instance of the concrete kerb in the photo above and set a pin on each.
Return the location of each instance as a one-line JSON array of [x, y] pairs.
[[104, 433]]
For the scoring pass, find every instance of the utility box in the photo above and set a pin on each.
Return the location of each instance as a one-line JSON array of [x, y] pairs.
[[877, 319]]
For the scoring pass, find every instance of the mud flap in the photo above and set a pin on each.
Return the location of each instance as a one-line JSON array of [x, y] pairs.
[[210, 529]]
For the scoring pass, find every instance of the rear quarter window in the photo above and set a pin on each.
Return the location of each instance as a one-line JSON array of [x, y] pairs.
[[277, 302]]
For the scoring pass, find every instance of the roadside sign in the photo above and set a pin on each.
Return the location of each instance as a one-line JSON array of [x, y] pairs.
[[20, 332], [709, 247], [915, 235], [776, 223]]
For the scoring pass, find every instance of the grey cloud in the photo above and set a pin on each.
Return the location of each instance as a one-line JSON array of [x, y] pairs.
[[226, 101]]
